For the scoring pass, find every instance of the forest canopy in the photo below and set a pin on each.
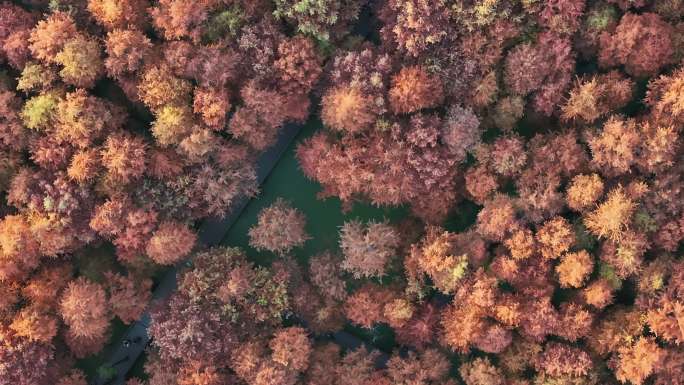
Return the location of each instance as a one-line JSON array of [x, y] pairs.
[[126, 124]]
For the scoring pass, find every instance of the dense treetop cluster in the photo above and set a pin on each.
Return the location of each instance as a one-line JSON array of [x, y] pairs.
[[125, 123]]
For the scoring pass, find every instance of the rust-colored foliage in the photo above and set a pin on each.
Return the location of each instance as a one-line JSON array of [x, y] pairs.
[[347, 109], [497, 219], [507, 156], [461, 131], [128, 296], [365, 306], [437, 256], [636, 362], [598, 294], [81, 119], [84, 308], [15, 26], [521, 244], [19, 250], [258, 120], [126, 50], [325, 273], [461, 327], [555, 237], [614, 149], [613, 216], [542, 68], [666, 96], [176, 19], [422, 171], [170, 243], [481, 184], [427, 367], [35, 325], [291, 348], [414, 89], [50, 35], [562, 16], [666, 314], [584, 191], [119, 13], [159, 87], [197, 373], [299, 66], [398, 312], [123, 155], [574, 268], [18, 355], [548, 213], [481, 371], [415, 25], [597, 97], [84, 166], [658, 147], [81, 61], [280, 228], [75, 377], [641, 42], [558, 360], [367, 248], [212, 106]]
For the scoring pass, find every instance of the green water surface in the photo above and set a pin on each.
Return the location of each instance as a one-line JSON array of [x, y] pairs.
[[324, 217]]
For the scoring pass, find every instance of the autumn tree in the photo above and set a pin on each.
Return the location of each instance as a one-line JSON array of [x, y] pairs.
[[367, 248], [170, 243], [279, 229], [613, 216], [291, 348], [665, 95], [438, 256], [638, 361], [641, 42], [614, 149], [50, 36], [584, 191], [347, 109], [574, 268], [128, 296], [597, 97], [414, 89], [126, 51], [555, 237], [81, 61], [119, 13], [415, 26], [84, 308], [324, 20]]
